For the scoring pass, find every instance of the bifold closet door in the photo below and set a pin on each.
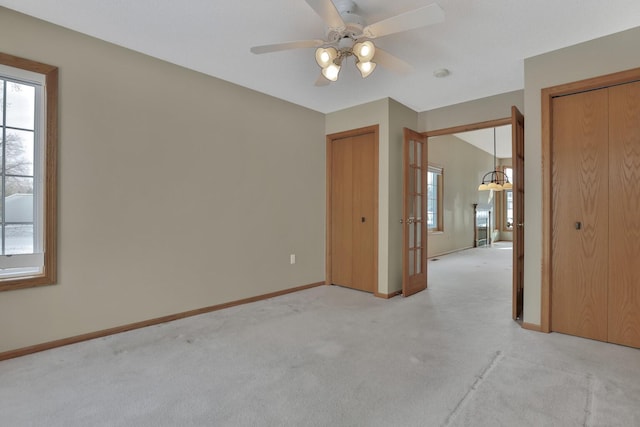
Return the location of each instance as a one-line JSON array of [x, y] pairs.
[[624, 214], [352, 212], [580, 190]]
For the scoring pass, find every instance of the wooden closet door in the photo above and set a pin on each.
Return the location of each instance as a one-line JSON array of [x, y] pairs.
[[624, 214], [342, 212], [353, 218], [579, 246], [363, 213]]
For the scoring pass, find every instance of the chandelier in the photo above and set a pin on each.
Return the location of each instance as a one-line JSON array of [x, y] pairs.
[[330, 59], [495, 180]]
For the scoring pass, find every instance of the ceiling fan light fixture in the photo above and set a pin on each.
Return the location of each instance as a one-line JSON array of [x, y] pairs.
[[331, 72], [349, 34], [366, 68], [325, 56], [364, 51]]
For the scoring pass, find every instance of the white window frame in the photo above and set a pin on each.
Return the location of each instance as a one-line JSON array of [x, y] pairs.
[[439, 190]]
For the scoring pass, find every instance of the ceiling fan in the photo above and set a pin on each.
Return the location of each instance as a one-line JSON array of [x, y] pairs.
[[348, 34]]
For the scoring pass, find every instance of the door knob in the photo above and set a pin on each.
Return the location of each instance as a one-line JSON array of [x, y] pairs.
[[578, 225], [521, 224]]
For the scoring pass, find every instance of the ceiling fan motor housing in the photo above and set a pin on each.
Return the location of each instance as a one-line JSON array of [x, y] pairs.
[[354, 23]]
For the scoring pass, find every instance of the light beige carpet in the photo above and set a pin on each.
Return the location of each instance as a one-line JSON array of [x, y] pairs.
[[330, 356]]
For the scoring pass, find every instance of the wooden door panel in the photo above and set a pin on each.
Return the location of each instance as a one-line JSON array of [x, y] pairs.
[[517, 148], [342, 212], [414, 254], [363, 213], [352, 211], [624, 215], [579, 245]]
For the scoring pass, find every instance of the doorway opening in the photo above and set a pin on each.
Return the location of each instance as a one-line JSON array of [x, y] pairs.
[[504, 208]]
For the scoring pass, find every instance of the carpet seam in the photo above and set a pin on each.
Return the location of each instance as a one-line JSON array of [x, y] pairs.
[[588, 410], [479, 379]]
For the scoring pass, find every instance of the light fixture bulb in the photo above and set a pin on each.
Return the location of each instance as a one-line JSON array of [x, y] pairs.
[[331, 72], [364, 51], [325, 56], [494, 186], [366, 68], [483, 187], [507, 186]]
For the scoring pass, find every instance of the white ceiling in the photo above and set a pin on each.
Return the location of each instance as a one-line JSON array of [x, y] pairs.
[[482, 43]]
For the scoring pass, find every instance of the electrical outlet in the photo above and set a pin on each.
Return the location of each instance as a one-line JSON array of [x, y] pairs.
[[292, 258]]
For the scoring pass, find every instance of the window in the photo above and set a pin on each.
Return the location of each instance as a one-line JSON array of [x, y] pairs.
[[508, 202], [434, 198], [28, 151]]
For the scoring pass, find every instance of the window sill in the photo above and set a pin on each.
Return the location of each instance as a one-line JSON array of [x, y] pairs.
[[11, 284]]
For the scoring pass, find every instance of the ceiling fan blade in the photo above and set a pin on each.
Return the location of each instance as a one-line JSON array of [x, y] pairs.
[[328, 12], [390, 62], [427, 15], [300, 44], [322, 81]]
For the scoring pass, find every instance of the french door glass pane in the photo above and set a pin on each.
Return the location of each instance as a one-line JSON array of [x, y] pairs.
[[412, 264], [412, 153], [412, 234]]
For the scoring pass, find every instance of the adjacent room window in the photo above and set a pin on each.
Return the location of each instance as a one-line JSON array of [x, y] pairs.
[[28, 127], [508, 202], [434, 198]]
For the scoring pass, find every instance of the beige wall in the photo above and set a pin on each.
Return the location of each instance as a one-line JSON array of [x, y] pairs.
[[464, 165], [606, 55], [177, 190]]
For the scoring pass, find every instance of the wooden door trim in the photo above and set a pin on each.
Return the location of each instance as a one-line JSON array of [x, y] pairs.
[[465, 128], [375, 130], [547, 96], [476, 126]]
